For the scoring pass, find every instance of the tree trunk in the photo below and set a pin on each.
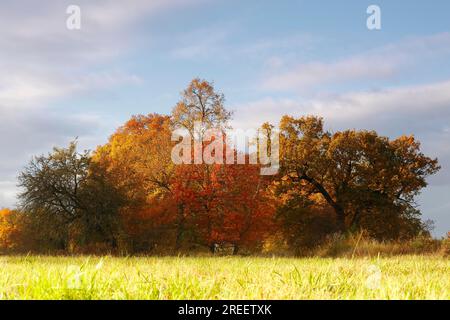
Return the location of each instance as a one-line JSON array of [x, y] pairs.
[[180, 227], [340, 217], [340, 214]]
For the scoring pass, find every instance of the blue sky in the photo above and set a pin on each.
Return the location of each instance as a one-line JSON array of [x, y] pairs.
[[268, 57]]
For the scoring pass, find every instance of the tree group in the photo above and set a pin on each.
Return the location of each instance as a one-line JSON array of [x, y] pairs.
[[129, 196]]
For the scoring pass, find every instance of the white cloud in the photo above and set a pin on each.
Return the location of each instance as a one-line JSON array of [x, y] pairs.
[[412, 102], [19, 91], [8, 191], [380, 63], [428, 104], [42, 61]]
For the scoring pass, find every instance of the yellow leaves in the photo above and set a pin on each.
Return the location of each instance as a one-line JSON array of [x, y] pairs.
[[5, 212], [137, 157]]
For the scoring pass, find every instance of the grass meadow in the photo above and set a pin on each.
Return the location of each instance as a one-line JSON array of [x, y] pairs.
[[91, 277]]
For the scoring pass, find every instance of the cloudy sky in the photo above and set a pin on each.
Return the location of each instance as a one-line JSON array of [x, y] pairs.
[[268, 57]]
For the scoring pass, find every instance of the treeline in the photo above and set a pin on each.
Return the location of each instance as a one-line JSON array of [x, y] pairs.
[[129, 197]]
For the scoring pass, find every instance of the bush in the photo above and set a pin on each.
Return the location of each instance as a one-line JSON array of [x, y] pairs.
[[362, 245]]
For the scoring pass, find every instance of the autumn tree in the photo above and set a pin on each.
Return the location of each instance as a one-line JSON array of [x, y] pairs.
[[360, 175], [70, 197], [200, 108], [137, 159], [247, 217], [202, 104], [231, 208]]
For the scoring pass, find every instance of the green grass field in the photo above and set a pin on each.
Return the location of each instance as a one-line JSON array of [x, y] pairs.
[[403, 277]]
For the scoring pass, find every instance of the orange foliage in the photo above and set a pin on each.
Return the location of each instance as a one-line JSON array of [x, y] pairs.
[[9, 230], [225, 203]]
